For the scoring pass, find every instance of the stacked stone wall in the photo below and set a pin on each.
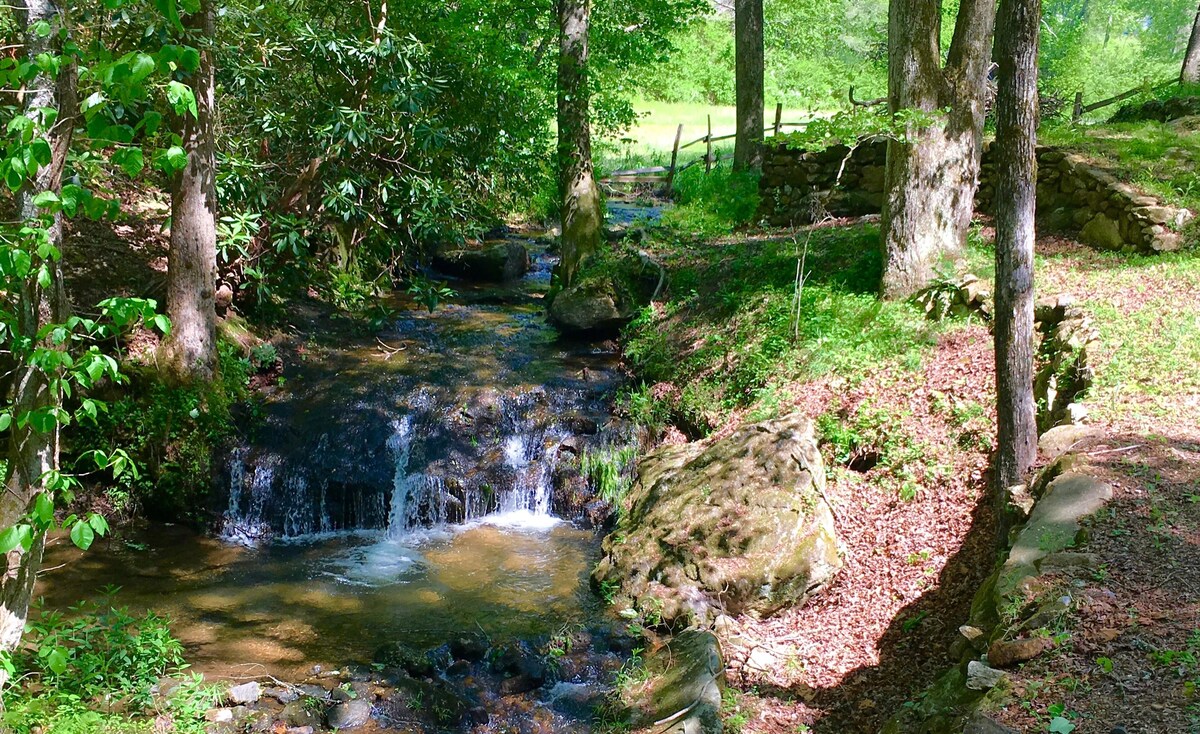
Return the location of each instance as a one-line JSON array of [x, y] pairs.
[[1074, 196]]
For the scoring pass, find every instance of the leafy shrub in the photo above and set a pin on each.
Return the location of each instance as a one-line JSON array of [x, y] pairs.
[[98, 652], [173, 432], [714, 203]]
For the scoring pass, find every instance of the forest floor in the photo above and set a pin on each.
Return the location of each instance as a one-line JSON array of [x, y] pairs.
[[909, 473]]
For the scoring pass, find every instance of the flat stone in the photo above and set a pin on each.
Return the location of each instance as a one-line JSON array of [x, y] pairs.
[[1053, 524], [245, 693], [1062, 439], [1007, 653], [980, 677], [301, 712], [218, 715]]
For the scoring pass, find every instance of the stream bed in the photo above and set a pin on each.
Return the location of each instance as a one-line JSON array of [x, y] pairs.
[[400, 490]]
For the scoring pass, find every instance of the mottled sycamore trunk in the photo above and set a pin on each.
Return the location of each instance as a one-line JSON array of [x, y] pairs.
[[582, 217], [32, 453], [189, 352], [933, 174], [748, 41], [1191, 60], [1016, 198]]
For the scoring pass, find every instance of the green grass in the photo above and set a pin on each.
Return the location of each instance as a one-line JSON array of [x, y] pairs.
[[727, 336], [650, 140], [1146, 309], [1155, 157]]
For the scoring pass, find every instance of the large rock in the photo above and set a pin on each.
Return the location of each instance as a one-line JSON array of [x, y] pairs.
[[594, 305], [1102, 232], [736, 525], [492, 264]]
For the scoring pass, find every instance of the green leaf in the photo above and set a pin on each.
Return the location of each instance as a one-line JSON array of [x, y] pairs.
[[181, 98], [98, 524], [82, 535], [43, 508], [46, 200], [130, 160], [189, 59], [57, 661], [170, 11], [10, 538], [162, 323], [176, 159], [5, 421], [140, 66], [1059, 725]]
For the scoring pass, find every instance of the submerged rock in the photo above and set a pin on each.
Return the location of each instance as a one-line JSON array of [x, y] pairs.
[[349, 715], [493, 264], [736, 525]]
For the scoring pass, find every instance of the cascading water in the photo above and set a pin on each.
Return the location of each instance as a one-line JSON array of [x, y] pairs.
[[452, 417]]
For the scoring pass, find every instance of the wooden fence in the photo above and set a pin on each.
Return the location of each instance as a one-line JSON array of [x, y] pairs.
[[1080, 109], [666, 174]]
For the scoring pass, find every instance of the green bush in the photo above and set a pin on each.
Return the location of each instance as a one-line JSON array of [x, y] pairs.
[[95, 670], [714, 203], [173, 433]]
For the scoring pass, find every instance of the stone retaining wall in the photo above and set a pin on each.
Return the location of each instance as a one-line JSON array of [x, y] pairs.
[[1073, 196]]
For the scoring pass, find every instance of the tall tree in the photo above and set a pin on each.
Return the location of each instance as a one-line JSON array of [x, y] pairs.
[[933, 173], [1016, 197], [189, 352], [1191, 60], [582, 218], [33, 447], [748, 52]]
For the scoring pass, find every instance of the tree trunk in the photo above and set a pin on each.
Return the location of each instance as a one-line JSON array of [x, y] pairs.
[[932, 175], [748, 41], [189, 352], [1016, 198], [1191, 60], [31, 454], [582, 217]]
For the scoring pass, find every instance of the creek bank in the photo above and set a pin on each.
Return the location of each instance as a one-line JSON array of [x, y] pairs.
[[559, 683], [1027, 596]]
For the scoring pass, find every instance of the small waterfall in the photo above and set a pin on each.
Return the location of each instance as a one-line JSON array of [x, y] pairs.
[[469, 422]]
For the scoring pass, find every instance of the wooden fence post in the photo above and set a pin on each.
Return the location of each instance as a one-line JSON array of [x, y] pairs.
[[1077, 112], [778, 116], [674, 159], [708, 161]]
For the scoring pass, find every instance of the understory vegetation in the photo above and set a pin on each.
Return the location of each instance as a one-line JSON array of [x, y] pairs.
[[99, 668]]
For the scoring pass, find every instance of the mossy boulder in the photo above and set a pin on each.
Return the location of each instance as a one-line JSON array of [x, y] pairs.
[[496, 263], [734, 525], [605, 296]]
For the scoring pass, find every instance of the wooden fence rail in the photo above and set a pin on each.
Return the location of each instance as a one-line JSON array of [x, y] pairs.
[[666, 174], [1080, 109]]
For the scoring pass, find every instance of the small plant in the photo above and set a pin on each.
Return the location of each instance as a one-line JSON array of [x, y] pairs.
[[609, 471], [264, 356], [1105, 664], [429, 293]]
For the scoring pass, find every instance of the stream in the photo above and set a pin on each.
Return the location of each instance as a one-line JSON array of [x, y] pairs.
[[400, 490]]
